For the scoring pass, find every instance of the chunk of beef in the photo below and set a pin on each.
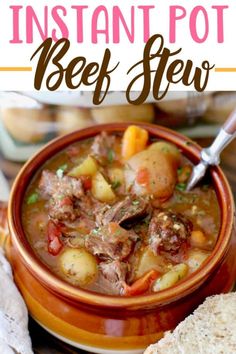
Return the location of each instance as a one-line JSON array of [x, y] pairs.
[[124, 211], [168, 231], [61, 191], [62, 208], [110, 241], [84, 219], [85, 205], [102, 146], [52, 185], [114, 271], [72, 238], [68, 210]]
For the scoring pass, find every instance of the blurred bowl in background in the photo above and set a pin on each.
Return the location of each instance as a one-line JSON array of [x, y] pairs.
[[29, 120]]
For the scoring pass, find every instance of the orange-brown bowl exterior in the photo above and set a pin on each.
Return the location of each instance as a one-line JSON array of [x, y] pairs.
[[109, 323]]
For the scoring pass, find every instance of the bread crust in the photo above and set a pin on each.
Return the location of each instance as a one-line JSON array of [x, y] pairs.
[[211, 329]]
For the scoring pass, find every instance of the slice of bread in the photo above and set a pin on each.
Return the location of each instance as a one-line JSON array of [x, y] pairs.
[[210, 330]]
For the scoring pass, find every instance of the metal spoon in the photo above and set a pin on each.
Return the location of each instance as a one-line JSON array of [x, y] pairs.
[[211, 156]]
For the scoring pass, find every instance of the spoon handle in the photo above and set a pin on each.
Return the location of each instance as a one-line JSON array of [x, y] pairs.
[[230, 124], [211, 155]]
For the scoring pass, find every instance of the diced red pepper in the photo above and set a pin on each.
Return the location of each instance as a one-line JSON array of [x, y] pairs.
[[87, 182], [141, 285], [54, 238]]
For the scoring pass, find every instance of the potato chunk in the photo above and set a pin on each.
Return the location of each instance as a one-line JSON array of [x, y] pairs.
[[196, 258], [101, 189], [79, 266], [151, 172], [168, 149], [87, 168], [147, 261], [116, 176], [169, 279]]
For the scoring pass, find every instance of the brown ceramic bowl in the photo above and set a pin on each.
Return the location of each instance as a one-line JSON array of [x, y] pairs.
[[108, 324]]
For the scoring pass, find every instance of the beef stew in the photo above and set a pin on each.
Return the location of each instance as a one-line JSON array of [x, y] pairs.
[[110, 214]]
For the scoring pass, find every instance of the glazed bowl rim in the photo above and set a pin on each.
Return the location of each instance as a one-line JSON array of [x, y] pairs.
[[75, 294]]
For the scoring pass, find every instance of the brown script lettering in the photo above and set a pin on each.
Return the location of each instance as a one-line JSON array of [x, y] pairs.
[[76, 73], [174, 72]]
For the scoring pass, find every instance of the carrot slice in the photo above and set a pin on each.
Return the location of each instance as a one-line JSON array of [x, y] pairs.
[[184, 173], [198, 239], [141, 285], [134, 140]]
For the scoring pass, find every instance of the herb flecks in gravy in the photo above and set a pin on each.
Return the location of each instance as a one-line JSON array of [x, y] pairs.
[[111, 214]]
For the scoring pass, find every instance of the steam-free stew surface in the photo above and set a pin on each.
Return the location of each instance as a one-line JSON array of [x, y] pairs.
[[111, 214]]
